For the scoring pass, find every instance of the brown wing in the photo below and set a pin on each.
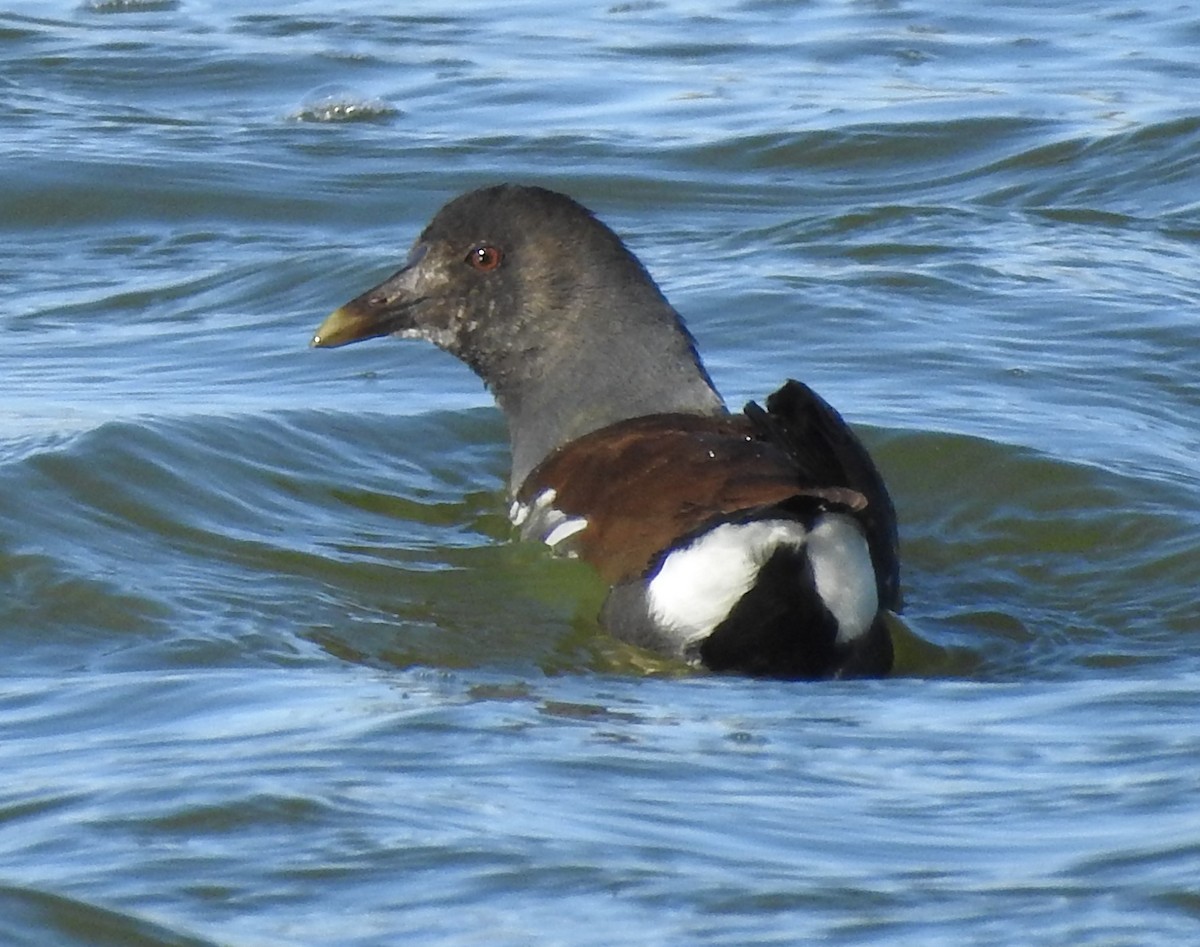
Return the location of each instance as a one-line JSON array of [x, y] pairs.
[[644, 483]]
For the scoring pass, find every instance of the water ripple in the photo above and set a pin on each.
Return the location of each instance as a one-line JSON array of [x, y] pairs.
[[271, 658]]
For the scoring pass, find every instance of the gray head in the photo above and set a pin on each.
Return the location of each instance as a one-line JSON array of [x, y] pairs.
[[548, 306]]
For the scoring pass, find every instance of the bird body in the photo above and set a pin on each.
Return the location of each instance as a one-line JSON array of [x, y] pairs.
[[763, 542]]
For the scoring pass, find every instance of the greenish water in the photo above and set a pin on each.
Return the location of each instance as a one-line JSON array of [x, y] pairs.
[[273, 671]]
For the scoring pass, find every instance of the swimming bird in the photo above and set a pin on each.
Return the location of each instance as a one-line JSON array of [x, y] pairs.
[[762, 542]]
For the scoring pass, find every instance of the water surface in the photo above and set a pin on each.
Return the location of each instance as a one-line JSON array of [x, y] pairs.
[[274, 672]]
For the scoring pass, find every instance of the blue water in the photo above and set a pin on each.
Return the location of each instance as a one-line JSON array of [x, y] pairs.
[[273, 671]]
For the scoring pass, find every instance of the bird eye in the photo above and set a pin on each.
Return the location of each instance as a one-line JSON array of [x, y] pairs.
[[485, 257]]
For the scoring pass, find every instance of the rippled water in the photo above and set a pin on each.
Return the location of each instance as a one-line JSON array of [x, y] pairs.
[[273, 671]]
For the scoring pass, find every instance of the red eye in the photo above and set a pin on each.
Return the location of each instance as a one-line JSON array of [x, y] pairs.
[[485, 257]]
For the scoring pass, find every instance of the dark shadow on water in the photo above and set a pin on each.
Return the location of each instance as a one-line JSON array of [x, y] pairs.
[[32, 918]]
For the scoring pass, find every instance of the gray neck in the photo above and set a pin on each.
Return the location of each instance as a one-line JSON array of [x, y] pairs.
[[583, 384]]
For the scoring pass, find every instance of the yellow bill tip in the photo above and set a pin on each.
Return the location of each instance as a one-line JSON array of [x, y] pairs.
[[341, 327]]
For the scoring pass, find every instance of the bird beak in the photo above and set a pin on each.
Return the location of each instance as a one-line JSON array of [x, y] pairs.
[[377, 312]]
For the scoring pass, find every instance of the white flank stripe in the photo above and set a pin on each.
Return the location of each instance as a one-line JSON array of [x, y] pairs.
[[565, 530], [539, 520]]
